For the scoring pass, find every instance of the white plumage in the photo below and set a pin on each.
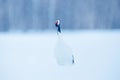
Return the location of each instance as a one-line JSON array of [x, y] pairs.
[[63, 52]]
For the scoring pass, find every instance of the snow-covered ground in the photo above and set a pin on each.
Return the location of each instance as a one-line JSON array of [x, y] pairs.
[[31, 56]]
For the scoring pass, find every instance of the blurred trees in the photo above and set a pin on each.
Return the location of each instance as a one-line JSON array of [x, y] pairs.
[[74, 14], [4, 18]]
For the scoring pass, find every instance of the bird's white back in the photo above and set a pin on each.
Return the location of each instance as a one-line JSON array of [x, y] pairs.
[[63, 52]]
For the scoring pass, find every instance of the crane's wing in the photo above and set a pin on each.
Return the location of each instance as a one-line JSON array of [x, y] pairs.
[[63, 52]]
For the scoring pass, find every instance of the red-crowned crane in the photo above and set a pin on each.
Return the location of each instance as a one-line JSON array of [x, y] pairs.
[[64, 54]]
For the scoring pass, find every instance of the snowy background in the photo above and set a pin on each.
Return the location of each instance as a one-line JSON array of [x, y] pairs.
[[31, 56], [28, 40], [74, 14]]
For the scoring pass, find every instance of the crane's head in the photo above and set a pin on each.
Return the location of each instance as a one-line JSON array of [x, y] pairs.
[[57, 23]]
